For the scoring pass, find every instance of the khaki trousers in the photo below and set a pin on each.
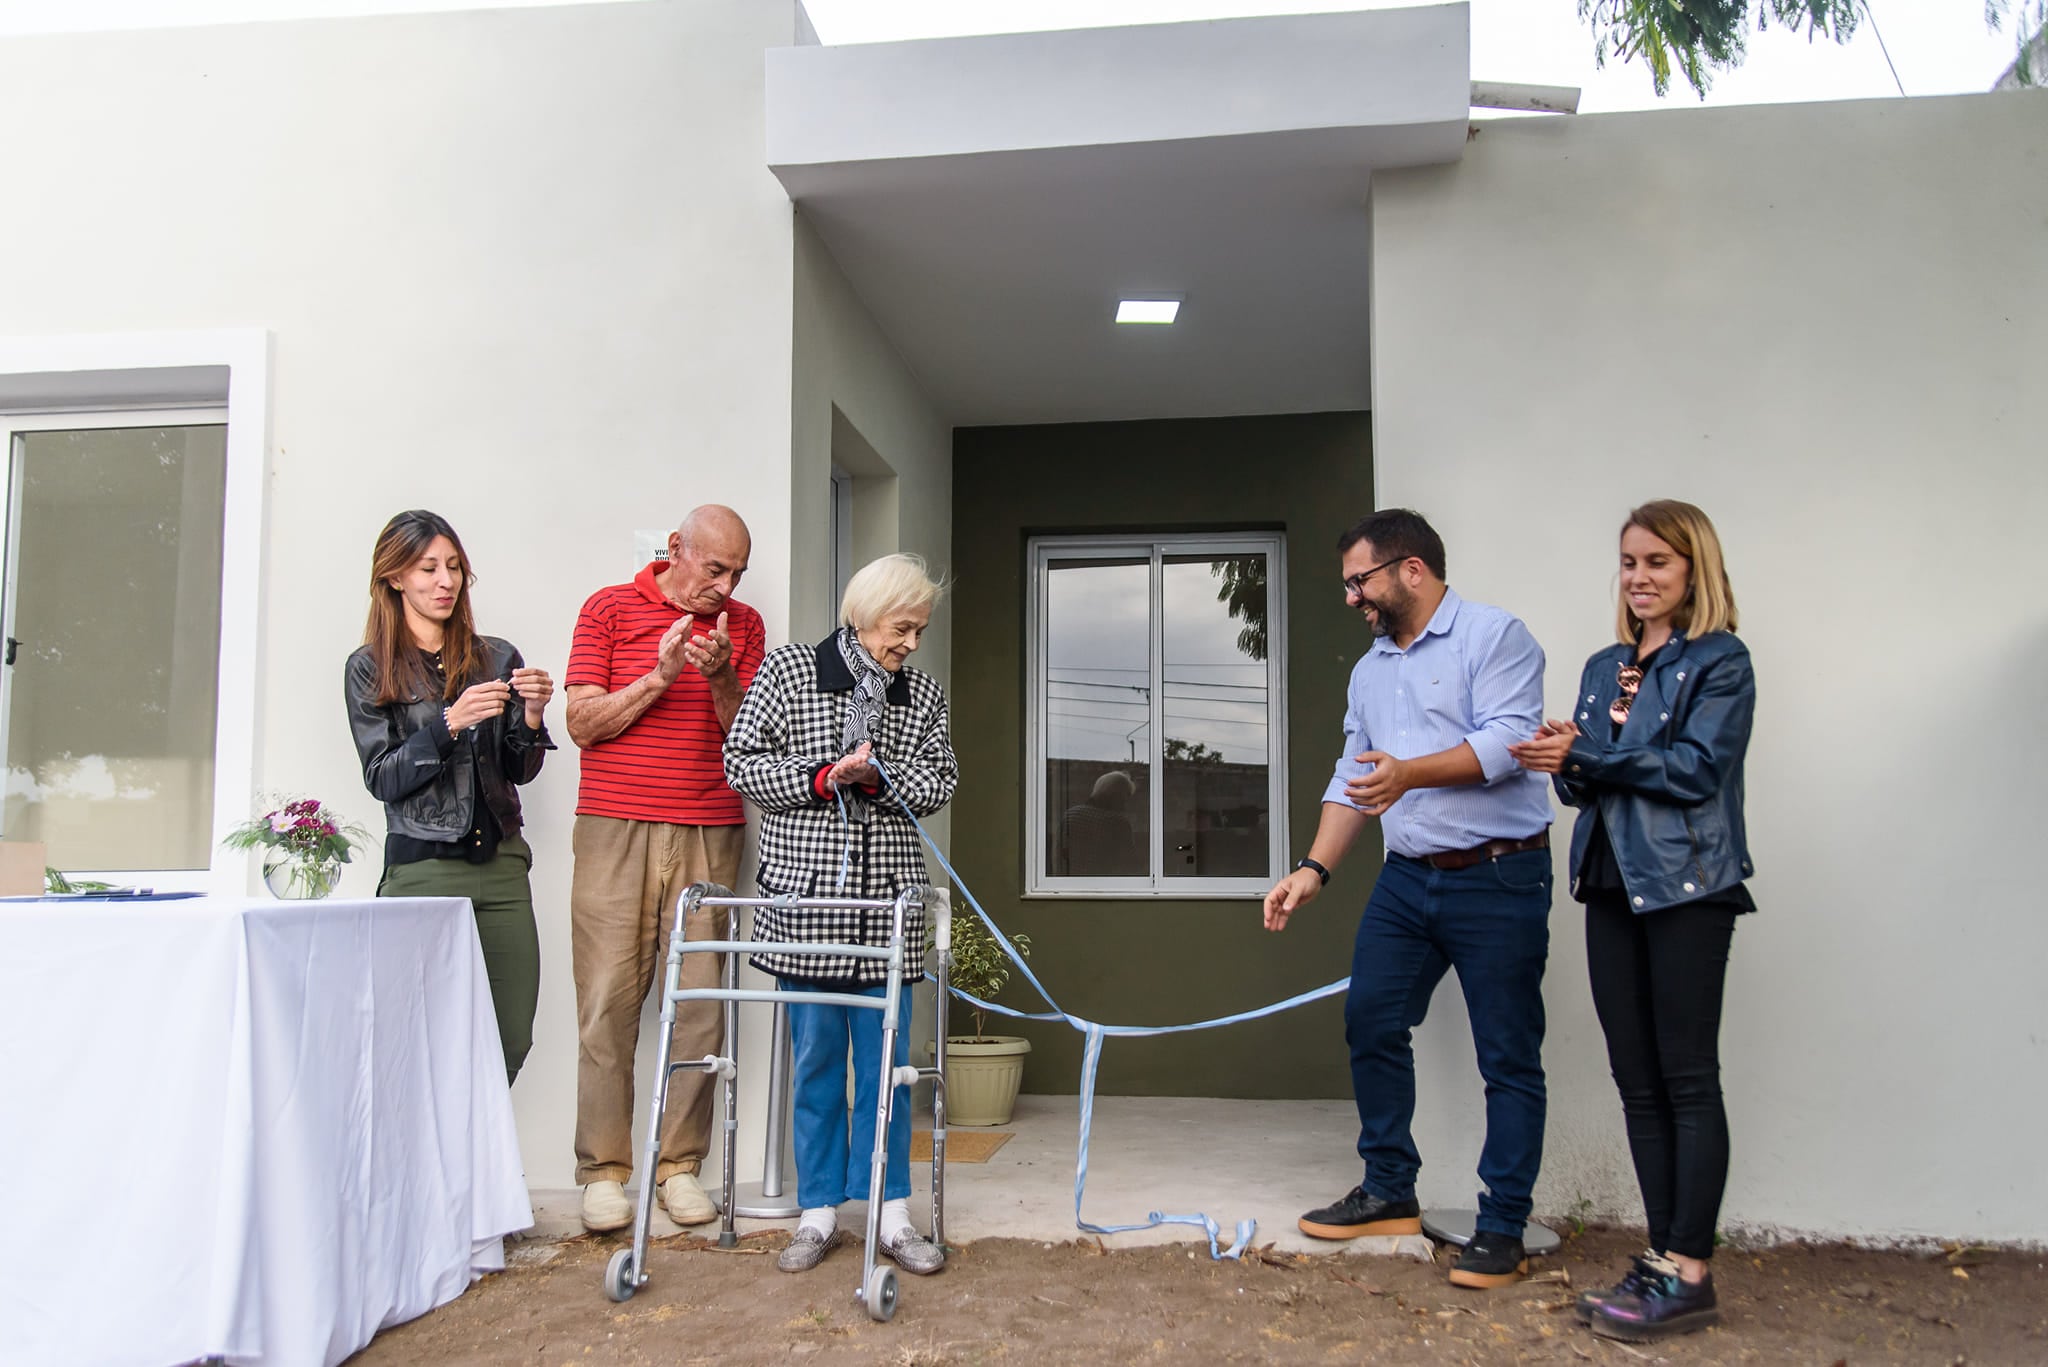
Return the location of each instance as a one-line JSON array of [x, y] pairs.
[[622, 907]]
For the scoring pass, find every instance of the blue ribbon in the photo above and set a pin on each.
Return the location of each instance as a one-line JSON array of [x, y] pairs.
[[1093, 1033]]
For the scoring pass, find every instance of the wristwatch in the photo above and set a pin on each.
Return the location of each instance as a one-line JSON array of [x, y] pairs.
[[1321, 872]]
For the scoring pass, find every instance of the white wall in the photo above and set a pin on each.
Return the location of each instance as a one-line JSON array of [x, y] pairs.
[[855, 399], [848, 374], [1824, 324], [522, 267]]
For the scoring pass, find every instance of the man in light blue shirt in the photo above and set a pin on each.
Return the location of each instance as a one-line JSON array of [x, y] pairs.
[[1433, 706]]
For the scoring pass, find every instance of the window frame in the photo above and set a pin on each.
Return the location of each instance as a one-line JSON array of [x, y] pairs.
[[1156, 548], [82, 380]]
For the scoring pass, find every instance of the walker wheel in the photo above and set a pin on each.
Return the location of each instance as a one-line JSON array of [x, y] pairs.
[[619, 1281], [880, 1294]]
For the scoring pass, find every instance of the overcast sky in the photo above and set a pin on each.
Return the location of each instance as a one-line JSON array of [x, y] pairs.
[[1940, 46]]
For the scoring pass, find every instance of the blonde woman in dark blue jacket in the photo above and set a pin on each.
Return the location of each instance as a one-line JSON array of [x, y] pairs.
[[1653, 761]]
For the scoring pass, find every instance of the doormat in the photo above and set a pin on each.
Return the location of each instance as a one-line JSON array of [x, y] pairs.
[[962, 1146]]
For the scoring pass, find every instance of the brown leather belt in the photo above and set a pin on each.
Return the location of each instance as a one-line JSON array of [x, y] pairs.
[[1492, 849]]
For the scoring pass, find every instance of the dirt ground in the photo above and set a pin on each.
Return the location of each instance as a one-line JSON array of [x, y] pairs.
[[1002, 1301]]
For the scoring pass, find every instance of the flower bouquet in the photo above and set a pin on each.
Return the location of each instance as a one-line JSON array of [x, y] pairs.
[[304, 844]]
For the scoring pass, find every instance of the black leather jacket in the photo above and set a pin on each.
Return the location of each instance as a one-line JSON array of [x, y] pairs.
[[421, 773], [1669, 788]]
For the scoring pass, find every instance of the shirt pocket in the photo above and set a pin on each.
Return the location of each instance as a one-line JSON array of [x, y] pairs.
[[786, 880]]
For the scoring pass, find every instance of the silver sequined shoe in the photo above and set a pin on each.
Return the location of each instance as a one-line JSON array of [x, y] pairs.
[[806, 1250], [916, 1254]]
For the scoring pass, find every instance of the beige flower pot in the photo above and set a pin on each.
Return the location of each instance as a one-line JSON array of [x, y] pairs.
[[982, 1078]]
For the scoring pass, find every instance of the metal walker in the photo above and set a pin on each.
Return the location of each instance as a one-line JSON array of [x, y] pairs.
[[627, 1270]]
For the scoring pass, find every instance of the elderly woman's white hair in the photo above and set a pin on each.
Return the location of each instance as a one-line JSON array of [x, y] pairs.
[[891, 584]]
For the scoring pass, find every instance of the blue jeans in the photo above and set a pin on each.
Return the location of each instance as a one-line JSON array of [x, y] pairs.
[[830, 1166], [1491, 922]]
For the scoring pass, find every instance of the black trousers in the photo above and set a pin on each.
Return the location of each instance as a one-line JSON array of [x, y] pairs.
[[1657, 980]]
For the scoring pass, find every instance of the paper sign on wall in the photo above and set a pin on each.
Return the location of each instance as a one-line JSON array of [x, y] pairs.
[[650, 546]]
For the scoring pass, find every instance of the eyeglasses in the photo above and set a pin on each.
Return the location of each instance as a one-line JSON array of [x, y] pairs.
[[1356, 583], [1628, 678]]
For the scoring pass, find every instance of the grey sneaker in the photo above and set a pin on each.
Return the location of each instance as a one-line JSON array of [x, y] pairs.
[[916, 1254], [806, 1250]]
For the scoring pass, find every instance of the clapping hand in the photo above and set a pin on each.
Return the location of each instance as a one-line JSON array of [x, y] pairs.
[[707, 654], [1544, 753]]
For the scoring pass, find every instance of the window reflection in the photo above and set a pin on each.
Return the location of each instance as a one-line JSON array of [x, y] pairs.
[[1098, 703], [1216, 751], [110, 699]]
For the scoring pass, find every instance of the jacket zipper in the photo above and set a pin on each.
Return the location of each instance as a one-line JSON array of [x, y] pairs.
[[1699, 869]]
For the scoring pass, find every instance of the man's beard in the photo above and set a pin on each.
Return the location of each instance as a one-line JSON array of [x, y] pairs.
[[1388, 614]]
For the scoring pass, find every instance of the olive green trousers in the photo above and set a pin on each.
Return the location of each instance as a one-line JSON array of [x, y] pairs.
[[503, 902]]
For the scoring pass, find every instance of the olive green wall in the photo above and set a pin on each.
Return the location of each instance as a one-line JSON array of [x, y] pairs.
[[1158, 962]]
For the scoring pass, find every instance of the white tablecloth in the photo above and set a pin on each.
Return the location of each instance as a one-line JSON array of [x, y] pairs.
[[253, 1129]]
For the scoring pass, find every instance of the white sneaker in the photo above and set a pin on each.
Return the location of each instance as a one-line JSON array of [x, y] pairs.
[[605, 1207], [685, 1200]]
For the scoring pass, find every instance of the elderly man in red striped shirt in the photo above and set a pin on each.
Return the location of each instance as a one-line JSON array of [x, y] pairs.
[[655, 676]]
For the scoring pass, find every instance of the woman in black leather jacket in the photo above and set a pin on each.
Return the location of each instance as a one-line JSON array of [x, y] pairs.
[[1653, 761], [447, 722]]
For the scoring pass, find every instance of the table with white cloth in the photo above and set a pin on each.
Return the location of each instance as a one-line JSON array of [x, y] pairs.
[[246, 1129]]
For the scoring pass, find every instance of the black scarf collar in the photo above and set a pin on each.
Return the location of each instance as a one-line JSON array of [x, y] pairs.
[[835, 677]]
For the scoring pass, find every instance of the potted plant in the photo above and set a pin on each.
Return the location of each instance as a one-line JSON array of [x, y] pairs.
[[983, 1071], [304, 846]]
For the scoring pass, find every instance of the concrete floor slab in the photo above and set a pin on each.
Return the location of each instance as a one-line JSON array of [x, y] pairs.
[[1266, 1161]]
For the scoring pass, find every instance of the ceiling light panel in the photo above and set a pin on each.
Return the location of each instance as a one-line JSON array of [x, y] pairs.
[[1153, 311]]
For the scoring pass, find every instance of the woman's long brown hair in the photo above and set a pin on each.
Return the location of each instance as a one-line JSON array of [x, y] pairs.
[[402, 671]]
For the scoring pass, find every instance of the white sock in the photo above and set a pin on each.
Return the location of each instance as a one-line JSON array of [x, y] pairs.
[[895, 1221], [820, 1220]]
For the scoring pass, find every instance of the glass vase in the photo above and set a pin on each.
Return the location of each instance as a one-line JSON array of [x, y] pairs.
[[296, 879]]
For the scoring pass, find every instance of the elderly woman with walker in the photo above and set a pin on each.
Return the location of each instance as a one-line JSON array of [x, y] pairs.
[[838, 744], [1653, 761]]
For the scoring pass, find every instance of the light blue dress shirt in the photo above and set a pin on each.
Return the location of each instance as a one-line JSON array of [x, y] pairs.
[[1475, 674]]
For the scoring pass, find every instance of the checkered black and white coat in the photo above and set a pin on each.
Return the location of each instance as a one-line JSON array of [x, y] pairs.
[[788, 730]]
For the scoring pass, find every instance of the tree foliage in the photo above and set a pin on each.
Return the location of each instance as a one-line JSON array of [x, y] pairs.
[[1696, 38], [1243, 592], [1190, 752], [2030, 36], [1699, 37]]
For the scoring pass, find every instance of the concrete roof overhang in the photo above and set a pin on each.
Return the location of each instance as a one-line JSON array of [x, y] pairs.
[[991, 199]]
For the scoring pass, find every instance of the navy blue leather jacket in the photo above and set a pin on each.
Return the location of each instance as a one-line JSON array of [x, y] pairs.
[[1669, 787]]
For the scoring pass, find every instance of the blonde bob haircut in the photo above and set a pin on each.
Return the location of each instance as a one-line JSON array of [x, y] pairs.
[[895, 583], [1709, 599]]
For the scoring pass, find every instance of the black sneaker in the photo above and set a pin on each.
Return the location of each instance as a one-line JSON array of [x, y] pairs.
[[1631, 1282], [1662, 1304], [1361, 1213], [1490, 1260]]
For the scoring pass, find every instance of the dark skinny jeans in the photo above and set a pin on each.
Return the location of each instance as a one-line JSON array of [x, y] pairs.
[[1657, 980]]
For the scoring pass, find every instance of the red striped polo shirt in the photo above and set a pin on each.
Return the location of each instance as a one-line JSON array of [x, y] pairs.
[[667, 765]]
